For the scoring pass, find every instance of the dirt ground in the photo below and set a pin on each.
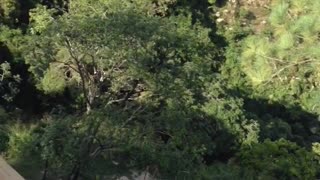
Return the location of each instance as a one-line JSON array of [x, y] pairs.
[[257, 13]]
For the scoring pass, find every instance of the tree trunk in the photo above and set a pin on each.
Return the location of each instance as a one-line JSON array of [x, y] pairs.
[[74, 175], [44, 177], [90, 98]]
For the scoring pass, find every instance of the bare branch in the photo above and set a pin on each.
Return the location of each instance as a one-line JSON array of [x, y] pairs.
[[81, 73], [67, 64], [133, 115], [288, 66], [272, 58]]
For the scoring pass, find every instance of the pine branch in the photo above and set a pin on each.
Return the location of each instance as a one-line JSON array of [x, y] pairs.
[[286, 67]]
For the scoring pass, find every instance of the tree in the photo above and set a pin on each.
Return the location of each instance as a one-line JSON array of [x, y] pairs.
[[286, 55], [15, 13], [279, 159], [116, 53], [9, 81], [10, 11], [294, 28], [143, 70]]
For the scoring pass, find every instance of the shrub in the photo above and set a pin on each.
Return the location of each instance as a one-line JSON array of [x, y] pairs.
[[21, 142], [279, 159]]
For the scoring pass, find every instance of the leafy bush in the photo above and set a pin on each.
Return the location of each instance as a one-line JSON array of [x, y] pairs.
[[22, 142], [279, 159]]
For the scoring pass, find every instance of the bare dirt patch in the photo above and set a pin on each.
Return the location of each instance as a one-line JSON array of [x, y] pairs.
[[253, 13]]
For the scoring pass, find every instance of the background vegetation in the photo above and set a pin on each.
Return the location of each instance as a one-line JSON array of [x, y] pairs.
[[198, 89]]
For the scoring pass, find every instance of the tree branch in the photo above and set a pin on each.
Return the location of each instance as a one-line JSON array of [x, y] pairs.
[[286, 67], [81, 73]]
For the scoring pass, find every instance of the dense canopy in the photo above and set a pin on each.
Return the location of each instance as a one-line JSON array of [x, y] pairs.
[[170, 89]]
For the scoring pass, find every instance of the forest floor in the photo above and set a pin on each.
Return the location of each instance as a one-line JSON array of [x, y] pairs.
[[251, 13], [259, 10]]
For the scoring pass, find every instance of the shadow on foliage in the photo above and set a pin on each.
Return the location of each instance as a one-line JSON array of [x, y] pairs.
[[221, 3], [201, 12], [30, 100], [278, 120]]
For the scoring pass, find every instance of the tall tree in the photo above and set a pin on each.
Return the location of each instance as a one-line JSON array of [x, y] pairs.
[[115, 52], [142, 70]]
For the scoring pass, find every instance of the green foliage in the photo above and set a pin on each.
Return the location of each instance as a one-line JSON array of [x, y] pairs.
[[279, 13], [280, 159], [3, 140], [161, 96], [286, 41], [40, 18], [230, 115], [53, 81], [254, 63], [283, 64], [5, 70], [276, 129], [211, 1], [115, 47], [21, 142], [162, 62], [13, 39], [10, 10], [224, 172], [60, 145], [9, 82], [310, 100], [316, 148], [289, 35]]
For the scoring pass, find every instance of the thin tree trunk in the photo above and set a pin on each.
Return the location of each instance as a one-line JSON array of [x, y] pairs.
[[44, 177], [81, 71], [90, 97], [75, 172]]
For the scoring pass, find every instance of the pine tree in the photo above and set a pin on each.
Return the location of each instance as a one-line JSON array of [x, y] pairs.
[[287, 54]]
